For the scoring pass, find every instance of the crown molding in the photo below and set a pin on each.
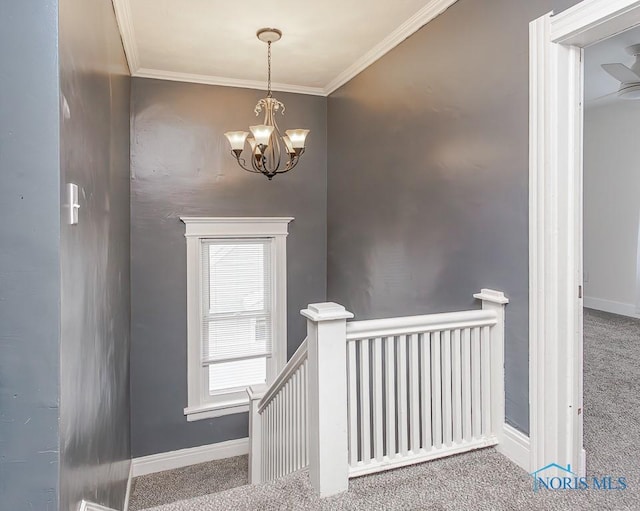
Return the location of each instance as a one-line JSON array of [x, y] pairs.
[[122, 8], [408, 28], [225, 82]]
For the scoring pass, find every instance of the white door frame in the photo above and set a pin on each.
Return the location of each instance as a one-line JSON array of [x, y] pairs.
[[555, 222]]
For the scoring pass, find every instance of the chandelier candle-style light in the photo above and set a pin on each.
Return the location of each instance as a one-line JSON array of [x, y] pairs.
[[267, 145]]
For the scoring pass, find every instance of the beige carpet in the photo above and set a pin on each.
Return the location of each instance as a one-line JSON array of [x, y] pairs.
[[485, 480], [184, 483]]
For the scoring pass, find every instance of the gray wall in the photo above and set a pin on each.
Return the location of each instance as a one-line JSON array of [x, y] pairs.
[[29, 263], [181, 166], [94, 346], [562, 5], [428, 172]]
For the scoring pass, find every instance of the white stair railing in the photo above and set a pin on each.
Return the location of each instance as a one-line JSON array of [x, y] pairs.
[[366, 396], [278, 422], [422, 387]]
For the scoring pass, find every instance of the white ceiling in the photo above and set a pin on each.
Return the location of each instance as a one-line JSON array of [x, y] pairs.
[[324, 43], [599, 86]]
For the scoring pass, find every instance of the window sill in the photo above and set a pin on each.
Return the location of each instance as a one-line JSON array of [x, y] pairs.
[[212, 410]]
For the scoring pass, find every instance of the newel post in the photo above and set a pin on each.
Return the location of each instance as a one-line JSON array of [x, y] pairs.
[[496, 301], [327, 398], [255, 434]]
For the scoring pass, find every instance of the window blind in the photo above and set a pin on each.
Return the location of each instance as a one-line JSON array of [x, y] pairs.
[[236, 303], [237, 374]]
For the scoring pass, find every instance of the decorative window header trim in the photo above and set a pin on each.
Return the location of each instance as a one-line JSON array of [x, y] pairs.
[[200, 227]]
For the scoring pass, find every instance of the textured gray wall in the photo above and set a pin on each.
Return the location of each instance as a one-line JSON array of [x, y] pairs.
[[428, 172], [562, 5], [29, 263], [181, 166], [94, 347]]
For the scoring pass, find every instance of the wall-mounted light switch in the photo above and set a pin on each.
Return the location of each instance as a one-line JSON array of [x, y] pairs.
[[72, 201]]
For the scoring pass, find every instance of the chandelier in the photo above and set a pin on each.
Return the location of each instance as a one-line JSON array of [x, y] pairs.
[[267, 145]]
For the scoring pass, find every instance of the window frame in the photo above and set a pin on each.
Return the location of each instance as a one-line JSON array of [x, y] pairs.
[[201, 405]]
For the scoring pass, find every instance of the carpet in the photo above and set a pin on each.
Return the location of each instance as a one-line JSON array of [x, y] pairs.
[[184, 483]]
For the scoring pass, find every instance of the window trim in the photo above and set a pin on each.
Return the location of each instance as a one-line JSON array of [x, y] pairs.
[[198, 228]]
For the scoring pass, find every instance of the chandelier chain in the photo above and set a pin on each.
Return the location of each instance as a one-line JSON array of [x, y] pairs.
[[269, 69]]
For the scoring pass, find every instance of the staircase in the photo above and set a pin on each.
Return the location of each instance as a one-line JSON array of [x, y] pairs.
[[362, 397]]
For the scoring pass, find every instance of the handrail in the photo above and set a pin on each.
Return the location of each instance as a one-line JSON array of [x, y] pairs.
[[294, 363], [416, 324], [256, 392]]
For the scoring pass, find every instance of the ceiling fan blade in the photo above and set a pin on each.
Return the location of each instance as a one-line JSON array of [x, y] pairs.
[[600, 99], [621, 73]]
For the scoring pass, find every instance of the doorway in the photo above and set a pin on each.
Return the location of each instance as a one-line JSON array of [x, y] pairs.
[[611, 214], [556, 293]]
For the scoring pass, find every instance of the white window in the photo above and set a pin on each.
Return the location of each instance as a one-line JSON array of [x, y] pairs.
[[236, 310]]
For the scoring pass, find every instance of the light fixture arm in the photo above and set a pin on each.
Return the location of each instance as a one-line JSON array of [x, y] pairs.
[[257, 164]]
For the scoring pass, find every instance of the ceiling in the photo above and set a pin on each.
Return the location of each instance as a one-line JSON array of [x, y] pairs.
[[324, 43], [599, 86]]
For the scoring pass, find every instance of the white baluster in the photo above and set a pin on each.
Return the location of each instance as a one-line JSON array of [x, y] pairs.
[[291, 415], [414, 393], [266, 453], [274, 438], [436, 389], [305, 415], [456, 380], [296, 387], [476, 405], [294, 420], [293, 438], [365, 412], [285, 430], [485, 376], [269, 460], [302, 404], [277, 432], [378, 418], [401, 369], [272, 435], [281, 440], [466, 383], [352, 403], [447, 420], [425, 390], [390, 389]]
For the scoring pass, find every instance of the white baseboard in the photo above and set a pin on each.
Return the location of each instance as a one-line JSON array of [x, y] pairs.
[[85, 505], [92, 506], [185, 457], [515, 446], [127, 495], [624, 309]]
